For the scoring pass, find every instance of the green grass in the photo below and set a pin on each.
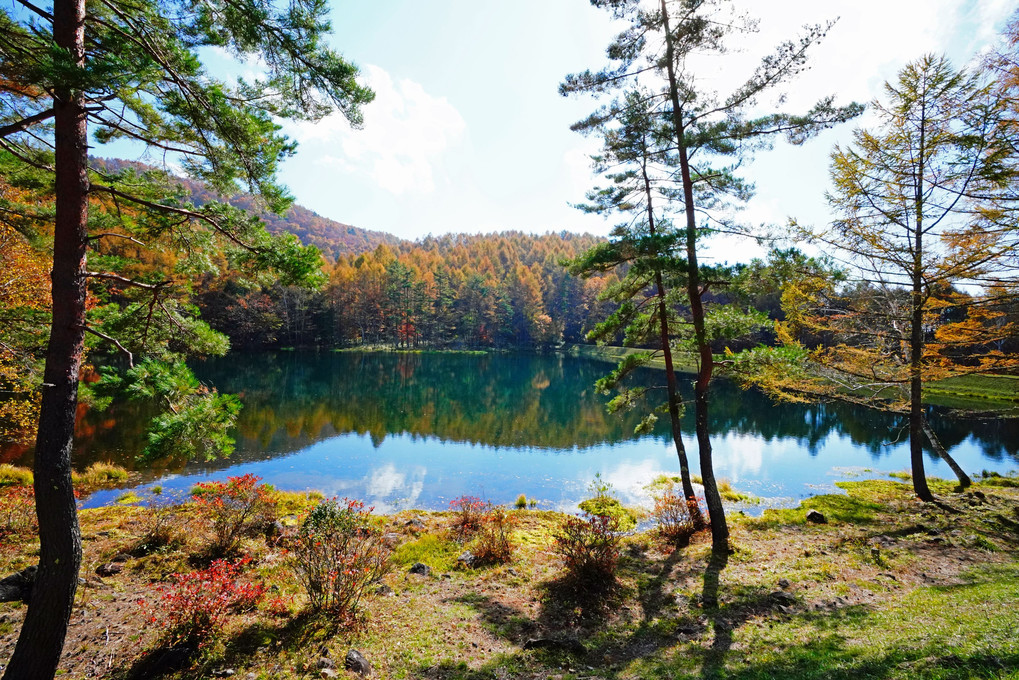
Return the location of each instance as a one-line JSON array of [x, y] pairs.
[[15, 476], [936, 633], [683, 362], [860, 505], [438, 553], [996, 479], [98, 475], [606, 506], [975, 392]]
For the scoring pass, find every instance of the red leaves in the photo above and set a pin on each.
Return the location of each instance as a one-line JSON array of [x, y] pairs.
[[194, 608], [235, 507]]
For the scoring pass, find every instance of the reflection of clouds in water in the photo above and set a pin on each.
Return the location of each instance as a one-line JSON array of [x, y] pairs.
[[629, 481], [740, 456], [390, 490]]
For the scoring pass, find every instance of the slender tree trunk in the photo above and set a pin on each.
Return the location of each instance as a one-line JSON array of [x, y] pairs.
[[41, 641], [916, 416], [673, 390], [716, 513], [670, 371]]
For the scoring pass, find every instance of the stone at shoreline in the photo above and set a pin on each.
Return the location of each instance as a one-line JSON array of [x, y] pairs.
[[356, 662], [816, 517], [420, 568], [109, 569]]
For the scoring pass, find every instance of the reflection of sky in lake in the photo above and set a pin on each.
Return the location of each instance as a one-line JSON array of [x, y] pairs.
[[406, 471]]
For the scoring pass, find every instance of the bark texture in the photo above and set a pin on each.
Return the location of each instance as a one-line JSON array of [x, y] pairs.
[[41, 641]]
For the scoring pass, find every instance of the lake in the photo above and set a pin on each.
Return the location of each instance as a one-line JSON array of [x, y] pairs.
[[400, 430]]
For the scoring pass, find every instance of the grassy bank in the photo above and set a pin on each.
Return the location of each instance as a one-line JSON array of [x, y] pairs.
[[976, 392], [992, 393], [887, 588]]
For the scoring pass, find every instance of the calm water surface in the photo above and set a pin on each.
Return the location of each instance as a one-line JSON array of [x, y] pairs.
[[417, 430]]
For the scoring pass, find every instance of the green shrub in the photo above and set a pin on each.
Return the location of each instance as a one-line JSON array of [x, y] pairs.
[[337, 553]]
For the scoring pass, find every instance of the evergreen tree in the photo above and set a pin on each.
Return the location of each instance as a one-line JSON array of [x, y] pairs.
[[132, 71], [659, 45]]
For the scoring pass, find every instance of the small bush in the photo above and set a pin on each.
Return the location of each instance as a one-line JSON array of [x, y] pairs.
[[469, 510], [17, 511], [193, 610], [677, 517], [161, 521], [589, 549], [605, 506], [100, 474], [492, 544], [11, 475], [521, 502], [337, 553], [237, 507]]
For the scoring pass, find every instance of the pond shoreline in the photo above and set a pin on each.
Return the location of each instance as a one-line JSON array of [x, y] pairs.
[[887, 586]]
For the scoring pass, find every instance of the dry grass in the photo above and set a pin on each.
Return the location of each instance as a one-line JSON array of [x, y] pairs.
[[857, 597]]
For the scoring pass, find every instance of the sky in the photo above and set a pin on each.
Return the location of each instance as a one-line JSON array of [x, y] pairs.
[[469, 134]]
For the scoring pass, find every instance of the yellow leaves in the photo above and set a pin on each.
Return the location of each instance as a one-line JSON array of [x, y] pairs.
[[24, 275]]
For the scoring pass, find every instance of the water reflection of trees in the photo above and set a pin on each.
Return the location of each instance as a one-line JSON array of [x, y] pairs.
[[522, 400], [292, 400]]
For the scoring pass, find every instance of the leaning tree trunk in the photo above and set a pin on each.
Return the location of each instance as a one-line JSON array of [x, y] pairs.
[[932, 438], [716, 513], [41, 641]]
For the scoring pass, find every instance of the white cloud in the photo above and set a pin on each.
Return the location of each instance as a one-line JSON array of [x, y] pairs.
[[389, 490], [407, 133], [576, 163]]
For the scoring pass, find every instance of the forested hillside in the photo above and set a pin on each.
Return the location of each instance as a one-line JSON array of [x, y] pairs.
[[331, 237]]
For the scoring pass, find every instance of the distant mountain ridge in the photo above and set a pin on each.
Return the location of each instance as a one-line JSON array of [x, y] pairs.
[[331, 237]]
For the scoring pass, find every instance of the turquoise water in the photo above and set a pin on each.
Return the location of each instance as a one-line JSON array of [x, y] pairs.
[[417, 430]]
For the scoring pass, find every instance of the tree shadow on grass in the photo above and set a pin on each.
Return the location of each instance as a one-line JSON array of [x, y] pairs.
[[292, 634]]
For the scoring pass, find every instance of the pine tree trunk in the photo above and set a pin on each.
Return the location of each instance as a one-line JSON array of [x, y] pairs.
[[41, 641], [673, 390], [670, 371], [716, 513]]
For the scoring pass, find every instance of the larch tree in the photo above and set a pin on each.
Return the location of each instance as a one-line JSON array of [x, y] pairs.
[[132, 70], [661, 48], [919, 217]]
